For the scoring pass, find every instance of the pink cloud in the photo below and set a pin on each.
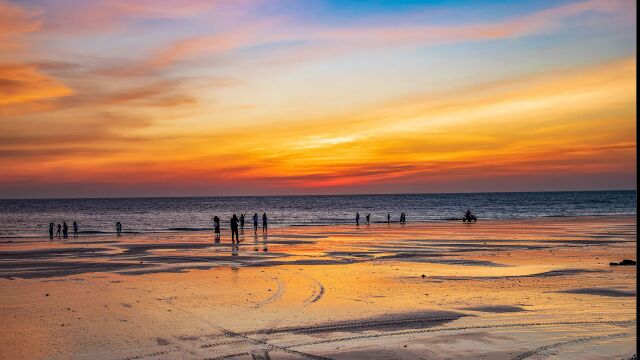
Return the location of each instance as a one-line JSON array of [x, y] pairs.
[[321, 42]]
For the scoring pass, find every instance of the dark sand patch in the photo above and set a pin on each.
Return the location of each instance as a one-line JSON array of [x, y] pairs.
[[599, 292], [47, 269], [495, 308], [552, 273], [391, 322], [143, 248], [46, 253]]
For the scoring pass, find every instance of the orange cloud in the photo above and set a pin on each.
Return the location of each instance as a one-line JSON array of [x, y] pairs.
[[21, 83]]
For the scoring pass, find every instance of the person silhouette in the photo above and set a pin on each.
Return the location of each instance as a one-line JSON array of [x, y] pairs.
[[216, 227], [51, 225], [234, 230], [118, 228], [255, 223], [264, 222], [388, 218], [65, 230], [59, 231], [242, 223], [357, 218], [368, 218], [75, 229]]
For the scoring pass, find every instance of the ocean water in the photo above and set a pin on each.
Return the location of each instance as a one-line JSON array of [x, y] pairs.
[[26, 218]]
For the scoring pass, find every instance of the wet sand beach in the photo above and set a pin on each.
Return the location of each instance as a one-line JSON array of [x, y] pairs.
[[509, 289]]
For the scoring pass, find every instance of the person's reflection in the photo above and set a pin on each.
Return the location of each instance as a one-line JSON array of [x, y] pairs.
[[234, 249], [255, 242], [264, 242]]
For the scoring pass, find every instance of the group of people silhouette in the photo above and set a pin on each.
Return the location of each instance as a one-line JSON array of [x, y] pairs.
[[62, 230], [403, 218], [237, 226]]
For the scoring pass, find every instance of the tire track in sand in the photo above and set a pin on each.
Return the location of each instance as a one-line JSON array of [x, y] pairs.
[[280, 290], [446, 329], [565, 342]]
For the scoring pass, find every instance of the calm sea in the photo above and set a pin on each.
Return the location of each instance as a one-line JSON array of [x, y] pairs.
[[94, 216]]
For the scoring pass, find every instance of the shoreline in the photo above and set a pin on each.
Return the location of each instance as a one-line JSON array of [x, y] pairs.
[[97, 233]]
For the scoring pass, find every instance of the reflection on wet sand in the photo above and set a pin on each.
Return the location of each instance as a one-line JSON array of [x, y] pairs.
[[499, 290]]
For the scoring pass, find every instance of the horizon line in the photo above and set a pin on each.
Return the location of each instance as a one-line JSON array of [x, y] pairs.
[[302, 195]]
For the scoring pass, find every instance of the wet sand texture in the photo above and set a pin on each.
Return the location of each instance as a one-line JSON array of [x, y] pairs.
[[532, 289]]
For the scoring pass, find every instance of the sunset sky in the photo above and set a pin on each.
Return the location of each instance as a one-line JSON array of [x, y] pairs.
[[258, 97]]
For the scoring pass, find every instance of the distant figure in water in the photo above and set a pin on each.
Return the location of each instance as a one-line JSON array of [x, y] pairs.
[[403, 218], [242, 223], [75, 229], [51, 225], [59, 231], [264, 223], [255, 223], [357, 218], [118, 228], [368, 218], [234, 230], [65, 230], [216, 228], [388, 218]]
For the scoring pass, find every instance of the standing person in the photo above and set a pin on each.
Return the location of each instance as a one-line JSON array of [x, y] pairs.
[[216, 227], [357, 218], [368, 218], [118, 228], [75, 229], [65, 230], [242, 223], [59, 230], [388, 218], [51, 230], [264, 223], [255, 223], [234, 230]]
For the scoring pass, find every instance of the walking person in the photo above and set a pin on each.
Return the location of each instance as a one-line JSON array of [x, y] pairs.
[[242, 223], [59, 231], [65, 230], [51, 225], [234, 230], [264, 223], [368, 218], [75, 229], [216, 228], [255, 223], [388, 218], [357, 218], [118, 228]]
